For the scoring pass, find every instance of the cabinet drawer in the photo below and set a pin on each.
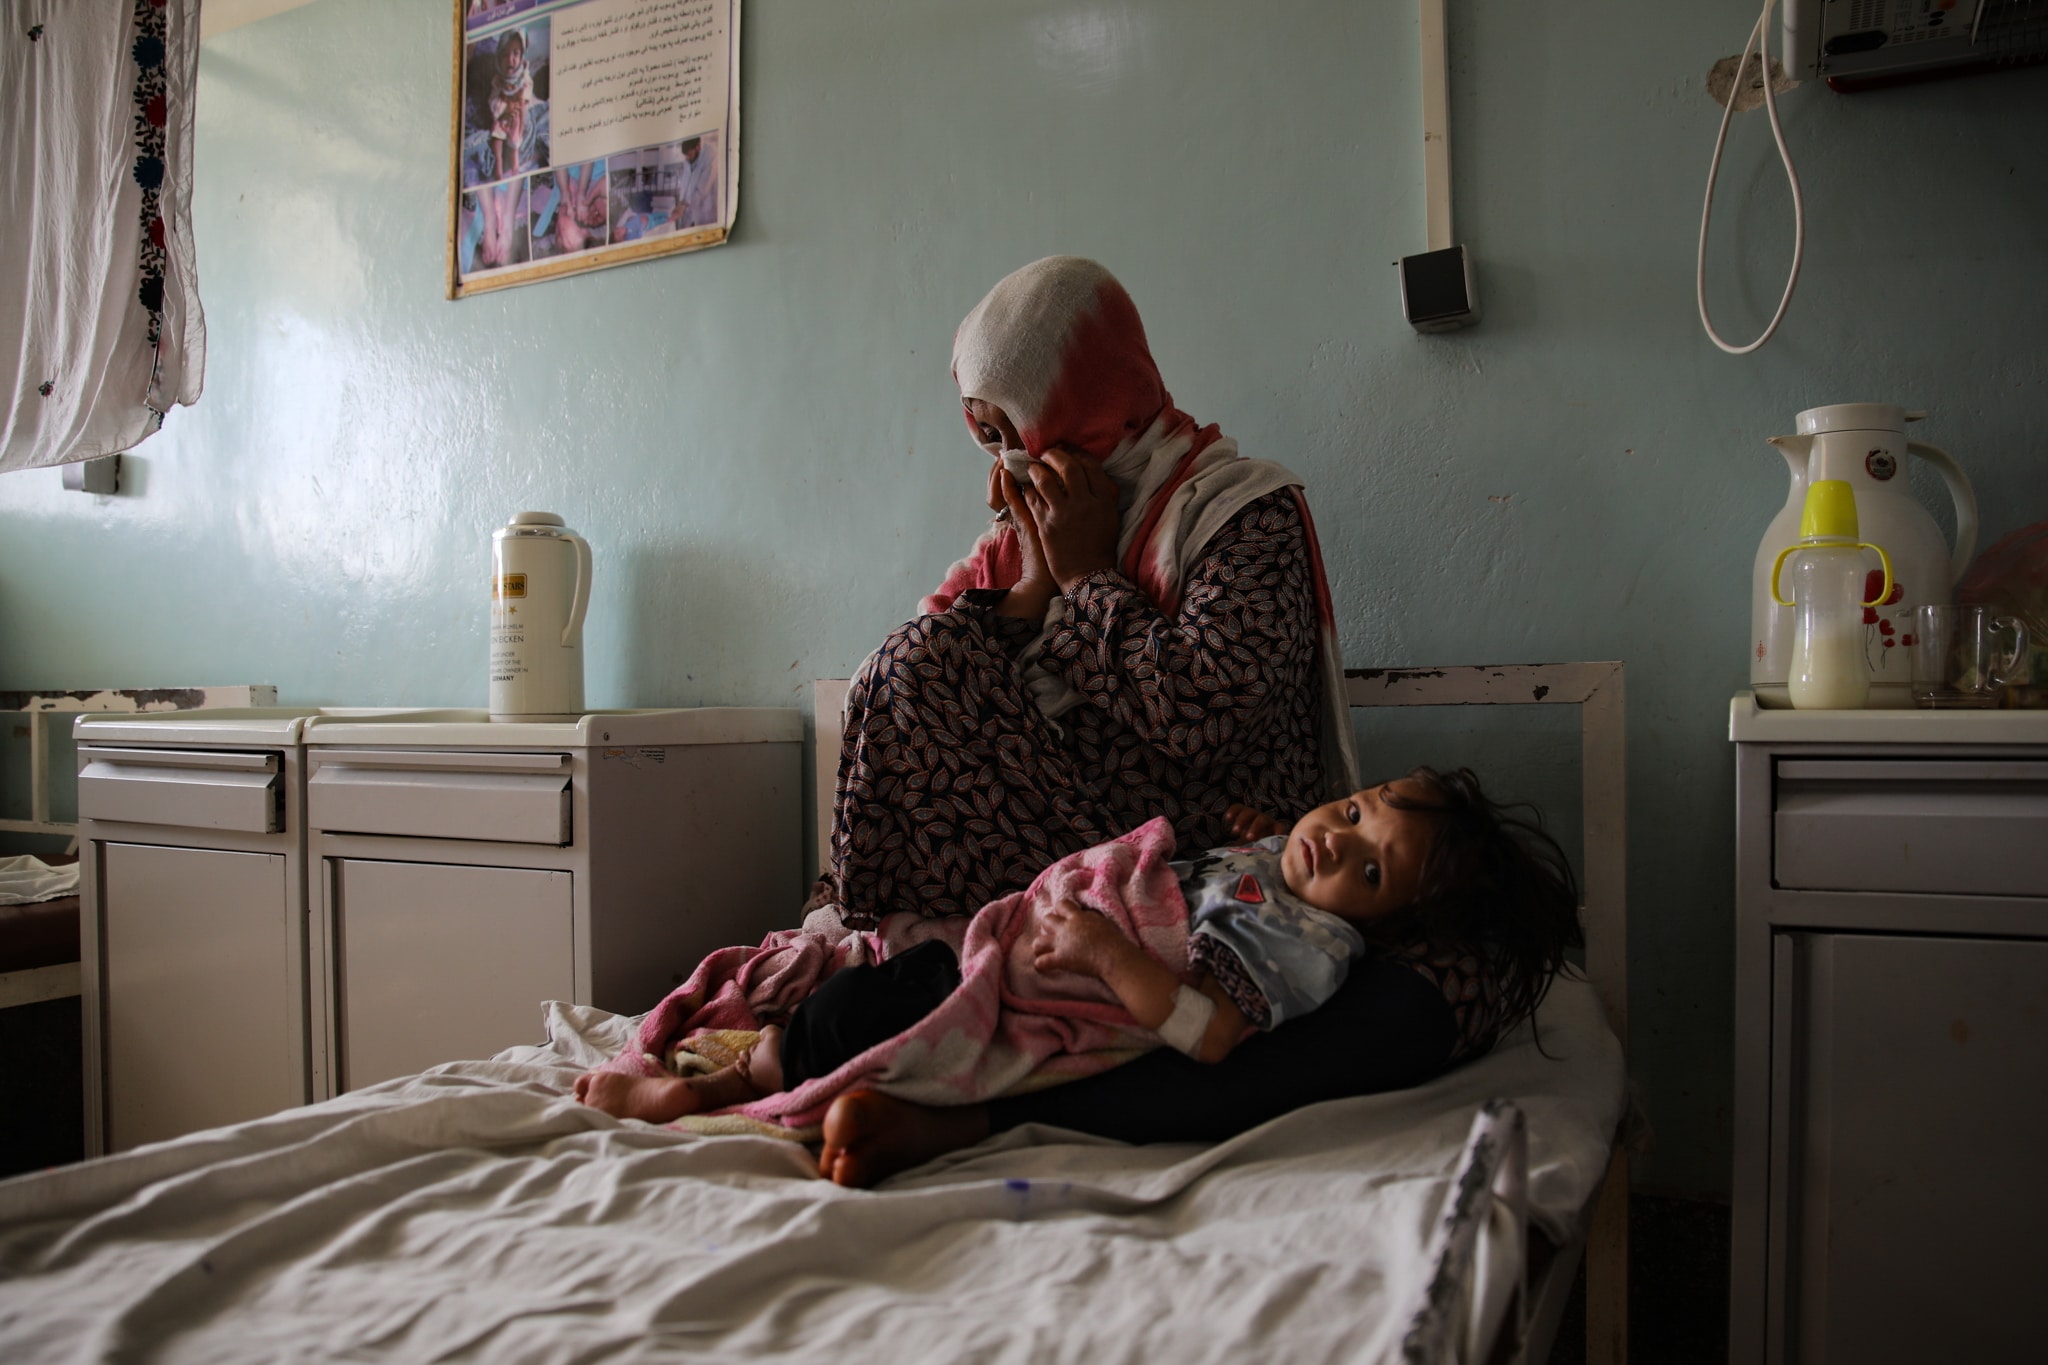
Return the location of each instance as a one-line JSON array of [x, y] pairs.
[[435, 802], [194, 790], [1948, 826]]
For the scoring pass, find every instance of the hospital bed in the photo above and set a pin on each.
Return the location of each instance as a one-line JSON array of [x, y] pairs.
[[476, 1212]]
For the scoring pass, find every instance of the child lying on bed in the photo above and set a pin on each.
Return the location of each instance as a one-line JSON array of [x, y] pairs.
[[1425, 868]]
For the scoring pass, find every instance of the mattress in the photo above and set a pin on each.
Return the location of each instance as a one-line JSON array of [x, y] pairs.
[[477, 1212]]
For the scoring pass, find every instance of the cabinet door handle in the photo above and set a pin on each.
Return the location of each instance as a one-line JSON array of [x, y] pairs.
[[1912, 770], [182, 758], [434, 760]]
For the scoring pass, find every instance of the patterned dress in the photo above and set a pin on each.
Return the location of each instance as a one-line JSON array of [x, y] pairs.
[[954, 788]]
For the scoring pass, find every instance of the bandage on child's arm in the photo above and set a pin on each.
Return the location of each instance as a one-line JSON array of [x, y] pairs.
[[1159, 1001]]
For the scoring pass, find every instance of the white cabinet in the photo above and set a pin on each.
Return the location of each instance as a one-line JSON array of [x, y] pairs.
[[201, 1025], [1891, 1023], [280, 904], [1912, 1077], [465, 872], [192, 921], [435, 961]]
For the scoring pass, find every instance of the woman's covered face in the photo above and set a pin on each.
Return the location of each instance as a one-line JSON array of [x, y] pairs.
[[995, 433], [993, 430], [1057, 347]]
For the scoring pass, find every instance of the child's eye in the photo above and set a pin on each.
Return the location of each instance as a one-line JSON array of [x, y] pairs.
[[1372, 874], [1351, 812]]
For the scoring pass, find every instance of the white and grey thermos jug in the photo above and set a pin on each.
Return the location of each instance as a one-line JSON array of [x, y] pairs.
[[540, 589]]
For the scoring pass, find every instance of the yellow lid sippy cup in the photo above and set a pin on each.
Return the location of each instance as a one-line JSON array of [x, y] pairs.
[[1829, 669], [1829, 520]]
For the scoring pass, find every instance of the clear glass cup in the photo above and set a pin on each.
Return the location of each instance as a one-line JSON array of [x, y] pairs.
[[1960, 660]]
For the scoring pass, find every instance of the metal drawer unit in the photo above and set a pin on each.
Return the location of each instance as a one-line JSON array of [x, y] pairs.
[[196, 789], [1891, 976], [500, 798], [193, 923], [466, 871], [1970, 826]]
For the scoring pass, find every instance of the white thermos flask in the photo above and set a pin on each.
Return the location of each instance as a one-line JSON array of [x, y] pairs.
[[540, 589]]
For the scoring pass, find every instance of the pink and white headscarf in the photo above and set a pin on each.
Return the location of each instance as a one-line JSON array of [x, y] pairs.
[[1059, 347]]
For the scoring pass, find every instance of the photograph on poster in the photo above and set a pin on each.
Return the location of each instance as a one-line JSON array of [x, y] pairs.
[[568, 210], [505, 109], [491, 230], [664, 189], [590, 133]]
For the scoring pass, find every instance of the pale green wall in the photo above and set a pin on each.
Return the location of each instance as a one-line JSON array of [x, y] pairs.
[[762, 444]]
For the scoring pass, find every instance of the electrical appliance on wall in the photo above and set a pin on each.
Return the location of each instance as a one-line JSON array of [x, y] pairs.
[[540, 590], [1865, 445], [1858, 44], [1438, 291]]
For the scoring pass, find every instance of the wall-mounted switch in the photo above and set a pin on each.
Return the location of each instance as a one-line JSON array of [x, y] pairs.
[[94, 476], [1437, 290]]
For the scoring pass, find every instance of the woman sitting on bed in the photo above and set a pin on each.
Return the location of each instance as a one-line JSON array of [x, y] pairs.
[[1145, 631], [1424, 869]]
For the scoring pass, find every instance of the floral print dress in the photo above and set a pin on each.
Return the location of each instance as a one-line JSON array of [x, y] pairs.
[[954, 788]]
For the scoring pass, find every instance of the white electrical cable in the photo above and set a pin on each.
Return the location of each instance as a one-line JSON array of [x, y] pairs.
[[1760, 37]]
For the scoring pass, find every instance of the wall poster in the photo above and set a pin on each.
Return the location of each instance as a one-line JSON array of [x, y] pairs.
[[589, 133]]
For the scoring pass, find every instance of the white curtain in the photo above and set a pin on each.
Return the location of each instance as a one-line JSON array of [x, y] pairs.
[[100, 328]]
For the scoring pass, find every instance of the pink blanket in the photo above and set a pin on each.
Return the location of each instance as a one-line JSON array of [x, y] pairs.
[[1008, 1027]]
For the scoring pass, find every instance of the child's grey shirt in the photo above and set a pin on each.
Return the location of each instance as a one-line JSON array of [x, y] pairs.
[[1296, 955]]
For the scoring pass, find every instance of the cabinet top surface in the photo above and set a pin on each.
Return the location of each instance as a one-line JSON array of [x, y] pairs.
[[1749, 723], [446, 727], [476, 729], [242, 725]]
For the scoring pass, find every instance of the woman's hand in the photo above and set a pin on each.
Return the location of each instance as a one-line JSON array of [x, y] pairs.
[[1249, 824], [1073, 938], [1074, 515], [1030, 595]]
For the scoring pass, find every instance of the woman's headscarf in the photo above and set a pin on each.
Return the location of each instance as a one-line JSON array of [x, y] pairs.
[[1059, 347]]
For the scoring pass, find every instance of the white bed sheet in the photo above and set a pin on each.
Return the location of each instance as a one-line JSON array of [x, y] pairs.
[[477, 1212]]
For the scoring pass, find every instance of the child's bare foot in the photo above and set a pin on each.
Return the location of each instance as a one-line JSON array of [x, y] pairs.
[[870, 1136], [664, 1099], [652, 1099]]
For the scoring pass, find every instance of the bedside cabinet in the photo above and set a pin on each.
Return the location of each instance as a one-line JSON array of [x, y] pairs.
[[463, 871], [192, 921], [1891, 1030]]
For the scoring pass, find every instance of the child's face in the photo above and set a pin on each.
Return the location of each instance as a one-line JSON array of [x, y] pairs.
[[1359, 858]]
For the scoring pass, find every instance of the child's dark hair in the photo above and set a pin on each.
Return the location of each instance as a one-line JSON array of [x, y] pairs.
[[1493, 882]]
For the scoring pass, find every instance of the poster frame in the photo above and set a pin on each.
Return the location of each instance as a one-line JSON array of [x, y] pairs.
[[625, 253]]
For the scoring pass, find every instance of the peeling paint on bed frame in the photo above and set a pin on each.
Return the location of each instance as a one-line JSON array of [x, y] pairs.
[[141, 699]]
